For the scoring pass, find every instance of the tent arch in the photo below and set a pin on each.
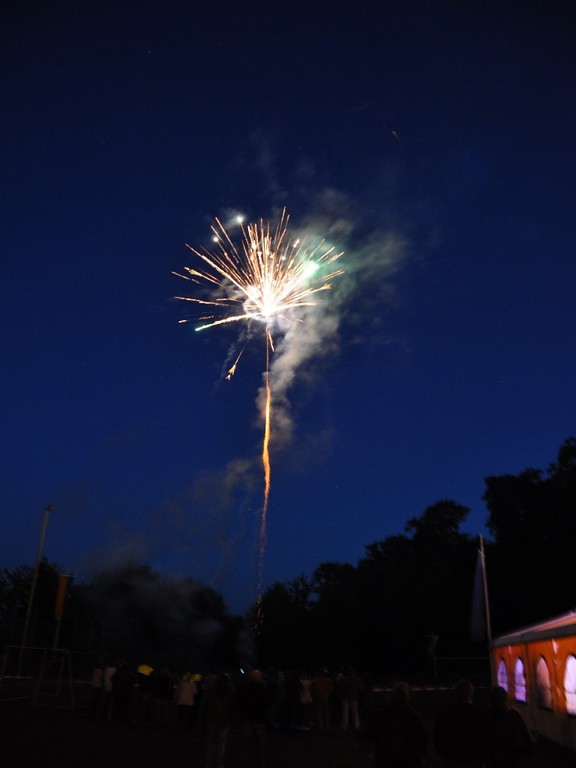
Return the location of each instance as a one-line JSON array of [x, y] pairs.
[[502, 675], [519, 680], [543, 684], [570, 684]]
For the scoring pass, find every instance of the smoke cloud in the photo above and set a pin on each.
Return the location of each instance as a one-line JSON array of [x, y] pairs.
[[370, 262]]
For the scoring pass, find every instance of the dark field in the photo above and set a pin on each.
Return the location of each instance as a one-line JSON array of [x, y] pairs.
[[52, 737]]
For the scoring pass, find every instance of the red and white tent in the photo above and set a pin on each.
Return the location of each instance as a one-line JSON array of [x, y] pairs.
[[537, 666]]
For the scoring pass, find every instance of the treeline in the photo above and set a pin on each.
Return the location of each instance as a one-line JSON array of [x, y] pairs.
[[409, 589], [382, 613]]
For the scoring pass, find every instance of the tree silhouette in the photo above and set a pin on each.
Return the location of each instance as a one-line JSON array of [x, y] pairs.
[[532, 519]]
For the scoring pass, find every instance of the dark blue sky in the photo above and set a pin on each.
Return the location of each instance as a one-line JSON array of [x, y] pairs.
[[433, 141]]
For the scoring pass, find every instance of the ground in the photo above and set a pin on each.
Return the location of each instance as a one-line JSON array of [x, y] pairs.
[[53, 737]]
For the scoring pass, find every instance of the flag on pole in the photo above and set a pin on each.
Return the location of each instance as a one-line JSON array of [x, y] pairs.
[[61, 593], [480, 629]]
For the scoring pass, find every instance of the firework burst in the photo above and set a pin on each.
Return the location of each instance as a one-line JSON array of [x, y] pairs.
[[265, 280]]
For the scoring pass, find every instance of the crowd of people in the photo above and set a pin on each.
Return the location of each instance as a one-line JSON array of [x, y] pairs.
[[294, 700], [463, 736]]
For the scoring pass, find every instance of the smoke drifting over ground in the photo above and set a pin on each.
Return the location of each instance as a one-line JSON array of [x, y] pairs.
[[177, 621]]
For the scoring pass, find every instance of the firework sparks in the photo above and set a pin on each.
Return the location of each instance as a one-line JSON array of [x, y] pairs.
[[265, 280]]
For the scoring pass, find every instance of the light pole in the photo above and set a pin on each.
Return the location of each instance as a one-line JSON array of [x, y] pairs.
[[47, 510]]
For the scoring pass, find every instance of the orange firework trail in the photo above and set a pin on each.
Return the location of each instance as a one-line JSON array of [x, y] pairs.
[[267, 475], [266, 280]]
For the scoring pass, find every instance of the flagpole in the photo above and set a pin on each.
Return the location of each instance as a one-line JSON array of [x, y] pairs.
[[485, 587]]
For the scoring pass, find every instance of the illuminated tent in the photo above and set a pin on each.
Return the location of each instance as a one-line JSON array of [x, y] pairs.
[[537, 666]]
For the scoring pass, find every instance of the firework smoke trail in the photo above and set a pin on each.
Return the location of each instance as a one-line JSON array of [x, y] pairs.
[[268, 280]]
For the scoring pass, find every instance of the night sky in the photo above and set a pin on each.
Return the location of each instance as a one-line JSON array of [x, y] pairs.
[[434, 142]]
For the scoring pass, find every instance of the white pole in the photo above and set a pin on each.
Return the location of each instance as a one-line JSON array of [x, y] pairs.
[[485, 587]]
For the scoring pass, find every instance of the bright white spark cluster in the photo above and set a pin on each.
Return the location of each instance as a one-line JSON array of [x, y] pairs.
[[265, 279]]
